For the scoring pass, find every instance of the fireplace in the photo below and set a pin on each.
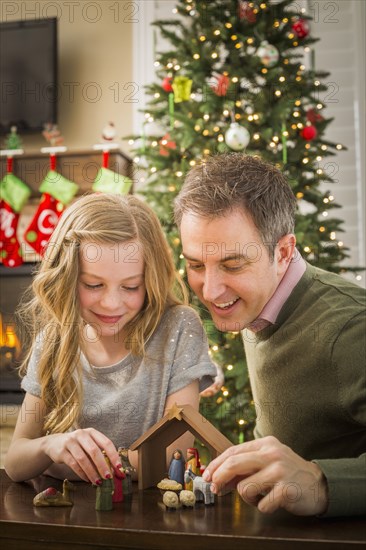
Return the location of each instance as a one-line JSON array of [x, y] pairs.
[[13, 282]]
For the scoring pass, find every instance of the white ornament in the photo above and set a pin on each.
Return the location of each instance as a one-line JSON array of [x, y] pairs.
[[268, 54], [246, 84], [154, 128], [260, 80], [197, 96], [237, 137]]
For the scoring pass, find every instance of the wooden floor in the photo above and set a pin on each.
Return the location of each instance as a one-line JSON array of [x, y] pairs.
[[9, 415]]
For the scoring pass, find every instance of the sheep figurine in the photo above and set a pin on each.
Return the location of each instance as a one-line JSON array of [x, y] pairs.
[[171, 499], [187, 498]]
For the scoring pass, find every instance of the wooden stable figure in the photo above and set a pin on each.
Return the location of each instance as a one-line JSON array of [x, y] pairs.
[[152, 445]]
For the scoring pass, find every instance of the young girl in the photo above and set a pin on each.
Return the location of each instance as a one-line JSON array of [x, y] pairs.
[[112, 346]]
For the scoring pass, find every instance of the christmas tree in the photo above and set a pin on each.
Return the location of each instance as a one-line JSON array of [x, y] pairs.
[[240, 76]]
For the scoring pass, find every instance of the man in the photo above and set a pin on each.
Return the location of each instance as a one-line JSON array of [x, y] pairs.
[[304, 337]]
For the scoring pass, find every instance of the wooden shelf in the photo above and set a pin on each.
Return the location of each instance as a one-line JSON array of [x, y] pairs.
[[78, 166]]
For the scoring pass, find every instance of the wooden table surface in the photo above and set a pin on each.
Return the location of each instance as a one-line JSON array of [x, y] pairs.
[[141, 521]]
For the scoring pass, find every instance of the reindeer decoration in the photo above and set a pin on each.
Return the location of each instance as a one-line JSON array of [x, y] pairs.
[[201, 488], [52, 497]]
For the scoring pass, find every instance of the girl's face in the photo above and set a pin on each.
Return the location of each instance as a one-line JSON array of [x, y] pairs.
[[111, 286]]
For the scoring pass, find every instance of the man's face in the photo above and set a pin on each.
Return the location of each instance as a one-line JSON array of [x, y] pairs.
[[229, 267]]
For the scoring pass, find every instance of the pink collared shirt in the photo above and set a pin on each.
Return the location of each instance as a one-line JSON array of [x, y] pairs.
[[269, 313]]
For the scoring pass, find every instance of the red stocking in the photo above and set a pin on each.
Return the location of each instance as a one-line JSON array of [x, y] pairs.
[[14, 194], [10, 247], [44, 222], [57, 193]]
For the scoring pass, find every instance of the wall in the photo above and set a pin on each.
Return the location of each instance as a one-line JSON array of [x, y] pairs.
[[95, 65], [340, 25]]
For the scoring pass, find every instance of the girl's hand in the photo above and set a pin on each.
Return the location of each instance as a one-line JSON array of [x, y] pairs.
[[81, 450]]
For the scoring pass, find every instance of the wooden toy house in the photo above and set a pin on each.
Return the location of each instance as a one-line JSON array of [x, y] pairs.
[[152, 445]]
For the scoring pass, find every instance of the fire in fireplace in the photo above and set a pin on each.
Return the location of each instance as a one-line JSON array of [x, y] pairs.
[[13, 283], [9, 344]]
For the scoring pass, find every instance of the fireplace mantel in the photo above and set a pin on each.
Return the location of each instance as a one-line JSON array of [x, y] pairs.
[[80, 166]]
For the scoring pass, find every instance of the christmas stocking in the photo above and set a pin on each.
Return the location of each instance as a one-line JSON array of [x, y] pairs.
[[14, 194], [57, 193], [108, 181]]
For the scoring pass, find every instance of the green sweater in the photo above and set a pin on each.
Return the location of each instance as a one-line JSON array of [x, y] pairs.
[[308, 379]]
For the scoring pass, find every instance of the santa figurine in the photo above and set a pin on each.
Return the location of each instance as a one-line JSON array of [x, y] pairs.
[[109, 132], [52, 134]]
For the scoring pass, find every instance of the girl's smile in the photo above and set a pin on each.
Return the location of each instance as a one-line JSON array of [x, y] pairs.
[[108, 318]]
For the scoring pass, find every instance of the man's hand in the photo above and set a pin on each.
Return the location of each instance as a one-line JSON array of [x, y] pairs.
[[217, 383], [270, 475]]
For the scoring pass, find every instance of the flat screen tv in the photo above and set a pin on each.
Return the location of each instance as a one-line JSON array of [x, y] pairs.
[[28, 74]]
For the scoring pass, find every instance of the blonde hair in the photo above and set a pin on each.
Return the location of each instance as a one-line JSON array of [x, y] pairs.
[[53, 310]]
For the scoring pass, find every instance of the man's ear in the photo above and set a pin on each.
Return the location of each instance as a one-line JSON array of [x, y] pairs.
[[285, 249]]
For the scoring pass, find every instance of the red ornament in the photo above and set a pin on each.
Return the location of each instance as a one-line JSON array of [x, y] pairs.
[[246, 12], [165, 144], [301, 28], [309, 133], [313, 116], [221, 85], [167, 84]]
